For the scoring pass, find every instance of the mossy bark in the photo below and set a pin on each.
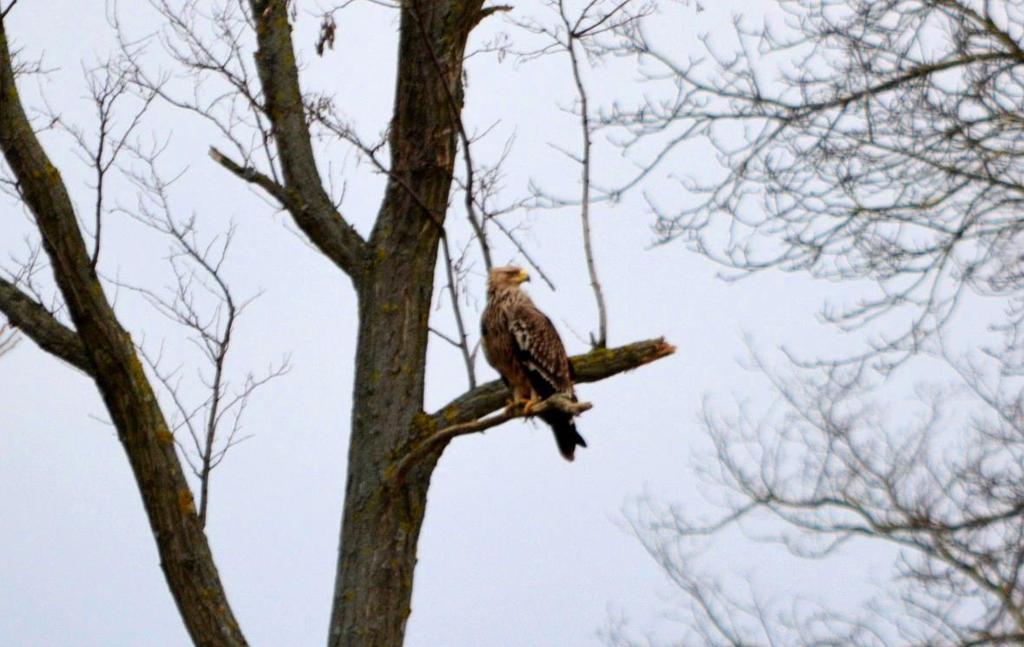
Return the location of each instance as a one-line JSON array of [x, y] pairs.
[[381, 523]]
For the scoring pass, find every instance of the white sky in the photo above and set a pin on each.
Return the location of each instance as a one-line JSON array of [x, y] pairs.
[[519, 547]]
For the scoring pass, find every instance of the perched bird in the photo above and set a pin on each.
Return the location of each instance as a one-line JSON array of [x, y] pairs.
[[523, 345]]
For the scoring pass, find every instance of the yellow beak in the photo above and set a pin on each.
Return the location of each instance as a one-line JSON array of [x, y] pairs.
[[522, 276]]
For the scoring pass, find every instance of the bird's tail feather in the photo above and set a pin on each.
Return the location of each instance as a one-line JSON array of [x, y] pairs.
[[565, 432]]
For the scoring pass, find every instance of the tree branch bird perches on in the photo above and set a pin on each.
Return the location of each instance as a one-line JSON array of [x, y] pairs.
[[557, 402], [474, 411]]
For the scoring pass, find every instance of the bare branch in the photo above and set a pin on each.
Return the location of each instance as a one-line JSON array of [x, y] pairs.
[[4, 12], [8, 339], [452, 288], [312, 208], [572, 36], [39, 324], [108, 86], [590, 367], [442, 437], [575, 37], [525, 254], [198, 267], [253, 176]]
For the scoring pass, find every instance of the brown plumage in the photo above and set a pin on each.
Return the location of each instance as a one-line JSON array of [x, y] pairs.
[[521, 343]]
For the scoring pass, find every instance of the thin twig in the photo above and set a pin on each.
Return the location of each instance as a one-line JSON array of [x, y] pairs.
[[198, 268], [447, 338], [526, 255], [452, 289], [570, 45], [3, 14], [8, 338]]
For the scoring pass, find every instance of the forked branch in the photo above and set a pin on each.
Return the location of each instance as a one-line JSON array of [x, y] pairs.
[[29, 316], [557, 401], [310, 206], [466, 414]]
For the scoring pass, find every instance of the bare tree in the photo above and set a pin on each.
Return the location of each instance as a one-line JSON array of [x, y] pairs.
[[241, 62], [877, 143]]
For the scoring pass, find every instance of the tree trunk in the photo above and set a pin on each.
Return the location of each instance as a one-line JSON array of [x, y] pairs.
[[381, 524], [382, 521]]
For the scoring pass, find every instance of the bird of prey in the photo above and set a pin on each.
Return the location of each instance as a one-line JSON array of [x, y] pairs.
[[521, 343]]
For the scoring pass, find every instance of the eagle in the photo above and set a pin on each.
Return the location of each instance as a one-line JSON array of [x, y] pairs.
[[521, 343]]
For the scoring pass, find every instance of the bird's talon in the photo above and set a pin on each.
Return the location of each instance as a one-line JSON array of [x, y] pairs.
[[530, 405], [515, 405]]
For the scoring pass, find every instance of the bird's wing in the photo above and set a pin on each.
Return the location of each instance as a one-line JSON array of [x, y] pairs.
[[540, 350]]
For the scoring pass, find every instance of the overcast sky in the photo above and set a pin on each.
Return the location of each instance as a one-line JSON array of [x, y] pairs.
[[519, 547]]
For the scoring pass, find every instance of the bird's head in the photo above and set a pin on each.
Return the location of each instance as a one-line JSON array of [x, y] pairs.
[[507, 276]]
